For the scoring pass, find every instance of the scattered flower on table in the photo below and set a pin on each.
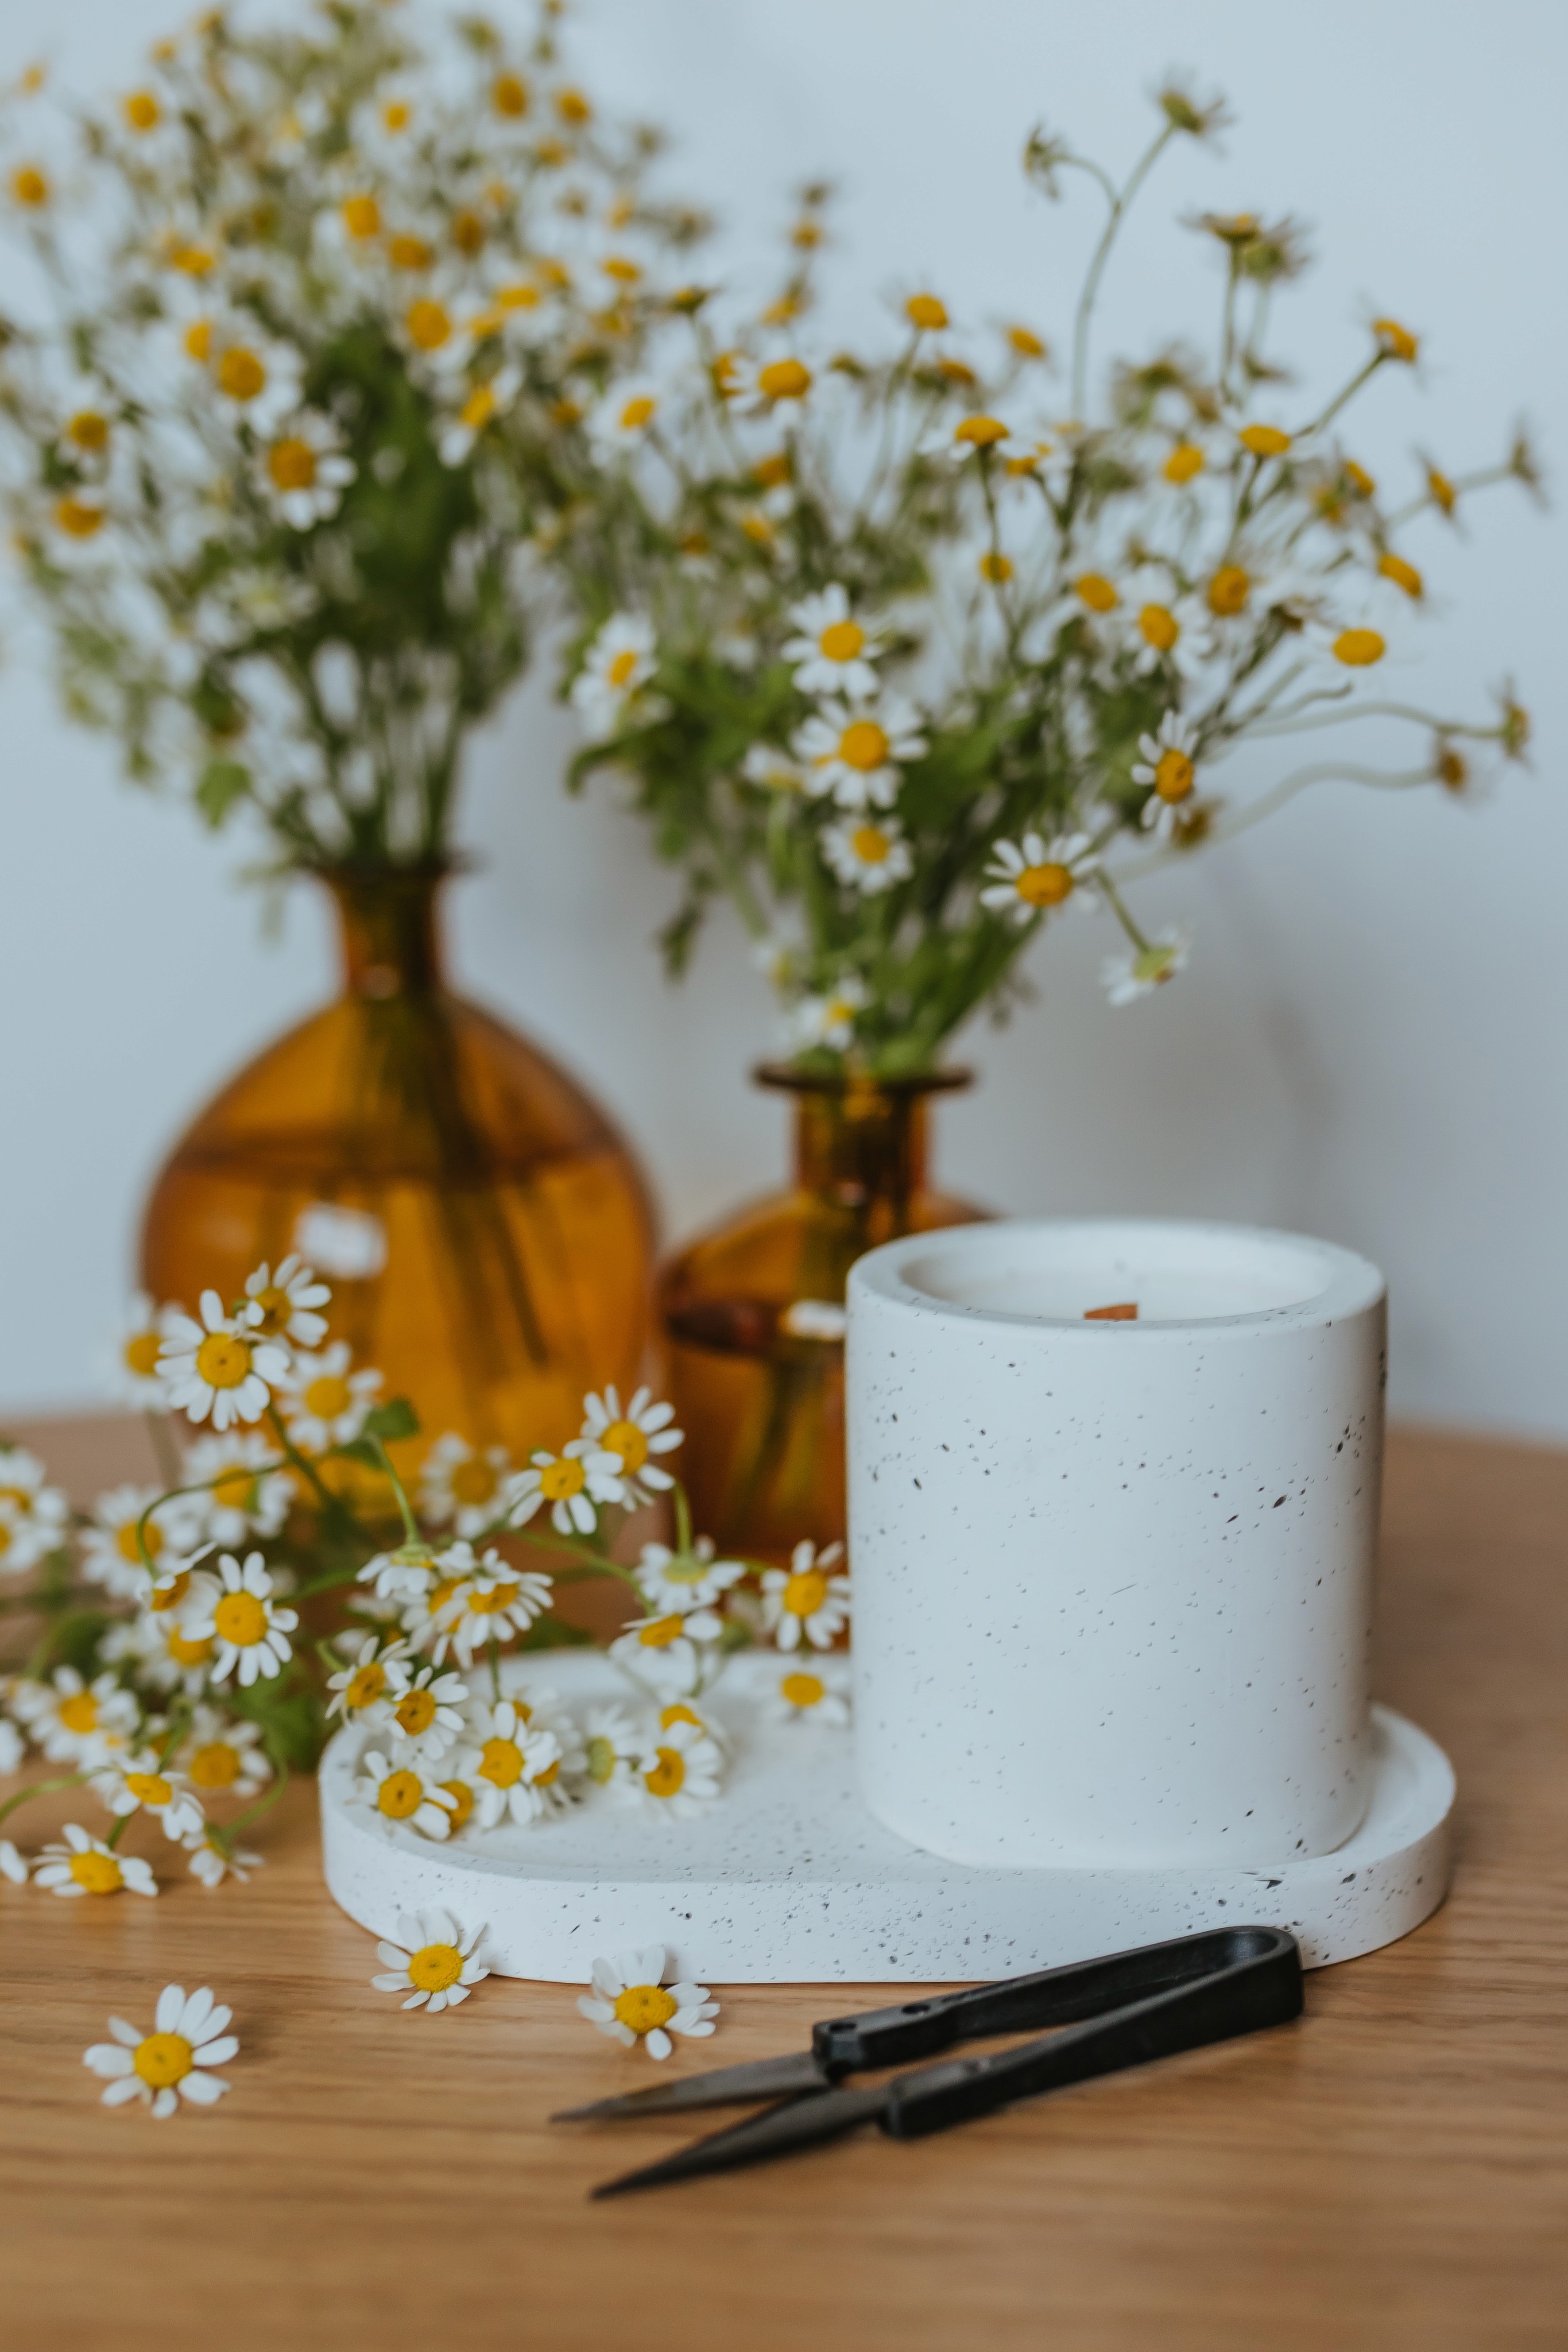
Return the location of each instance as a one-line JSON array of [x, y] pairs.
[[438, 1965], [190, 2035], [224, 1755], [807, 1599], [73, 1721], [144, 1784], [212, 1862], [79, 1865], [632, 2003]]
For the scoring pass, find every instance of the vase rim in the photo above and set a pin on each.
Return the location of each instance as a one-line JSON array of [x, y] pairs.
[[789, 1078], [365, 870]]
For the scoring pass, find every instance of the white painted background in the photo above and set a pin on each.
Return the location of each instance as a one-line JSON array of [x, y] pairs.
[[1369, 1042]]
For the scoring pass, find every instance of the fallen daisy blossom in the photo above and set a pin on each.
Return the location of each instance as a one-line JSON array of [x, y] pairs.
[[441, 1965], [631, 2003], [85, 1865], [160, 2067]]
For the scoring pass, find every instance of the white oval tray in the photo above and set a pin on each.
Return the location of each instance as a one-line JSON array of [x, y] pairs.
[[788, 1880]]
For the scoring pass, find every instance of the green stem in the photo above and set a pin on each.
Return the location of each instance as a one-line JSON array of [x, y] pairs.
[[1115, 900], [410, 1525], [1086, 301], [41, 1788]]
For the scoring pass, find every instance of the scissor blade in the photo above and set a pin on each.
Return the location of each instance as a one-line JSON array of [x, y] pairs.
[[764, 2078], [782, 2131]]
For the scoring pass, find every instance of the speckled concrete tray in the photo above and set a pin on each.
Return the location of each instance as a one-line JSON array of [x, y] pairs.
[[788, 1880]]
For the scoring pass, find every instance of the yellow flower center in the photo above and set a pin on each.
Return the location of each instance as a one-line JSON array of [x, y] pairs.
[[637, 413], [1044, 886], [501, 1762], [240, 1619], [199, 339], [416, 1712], [467, 233], [478, 408], [1404, 575], [925, 311], [80, 1713], [601, 1759], [1160, 627], [980, 432], [276, 1307], [141, 110], [1097, 592], [141, 1354], [366, 1686], [77, 518], [463, 1797], [1358, 648], [396, 114], [474, 1483], [398, 1795], [784, 380], [1396, 340], [805, 1592], [434, 1967], [870, 844], [29, 186], [428, 325], [163, 2060], [1173, 775], [1026, 342], [661, 1633], [328, 1397], [864, 745], [559, 1481], [125, 1541], [624, 272], [235, 1490], [667, 1772], [509, 95], [624, 1439], [1265, 440], [172, 1594], [241, 374], [194, 260], [955, 371], [551, 1772], [95, 1874], [443, 1593], [186, 1653], [996, 567], [679, 1712], [1358, 477], [4, 1538], [406, 252], [518, 298], [803, 1690], [1229, 590], [215, 1766], [292, 465], [88, 429], [573, 107], [494, 1602], [150, 1787], [621, 669], [362, 217], [223, 1360], [644, 2007], [840, 641]]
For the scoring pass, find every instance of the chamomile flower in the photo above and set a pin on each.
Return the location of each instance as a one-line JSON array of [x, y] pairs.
[[162, 1655], [482, 404], [1168, 767], [248, 1628], [461, 1487], [401, 1792], [131, 1361], [772, 771], [854, 753], [302, 472], [680, 1770], [212, 1862], [475, 1601], [34, 1516], [74, 1722], [220, 1368], [806, 1600], [632, 1438], [190, 2035], [833, 651], [283, 1304], [428, 1715], [683, 1582], [513, 1764], [142, 1784], [632, 2003], [244, 1497], [661, 1652], [255, 377], [224, 1756], [829, 1019], [625, 417], [324, 1403], [975, 435], [778, 387], [1027, 878], [111, 1552], [616, 667], [805, 1694], [868, 854], [437, 1964], [1126, 978], [76, 1863], [573, 1483], [612, 1750]]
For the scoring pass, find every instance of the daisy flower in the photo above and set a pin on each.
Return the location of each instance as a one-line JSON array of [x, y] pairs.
[[778, 387], [428, 1715], [632, 2003], [398, 1792], [223, 1755], [612, 1750], [974, 436], [213, 1863], [516, 1766], [221, 1366], [630, 1438], [625, 417], [772, 771], [13, 1866], [572, 1483], [240, 1616], [131, 1361], [461, 1487], [189, 2036], [1168, 768], [661, 1652], [680, 1772], [868, 854], [802, 1696], [255, 378], [1126, 978], [74, 1722], [141, 1784], [440, 1966], [302, 472], [832, 648], [79, 1865], [244, 1495], [483, 403], [33, 1517], [830, 1019], [853, 753], [367, 1685], [110, 1553], [1026, 878], [805, 1600], [685, 1580], [282, 1305], [163, 1655], [478, 1598], [617, 664], [324, 1403]]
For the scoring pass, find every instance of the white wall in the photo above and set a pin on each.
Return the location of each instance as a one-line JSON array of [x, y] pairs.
[[1369, 1042]]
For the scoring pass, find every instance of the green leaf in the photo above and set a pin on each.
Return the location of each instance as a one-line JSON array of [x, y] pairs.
[[389, 1422], [220, 784]]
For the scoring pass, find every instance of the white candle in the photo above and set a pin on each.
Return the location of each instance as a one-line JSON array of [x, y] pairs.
[[1114, 1577]]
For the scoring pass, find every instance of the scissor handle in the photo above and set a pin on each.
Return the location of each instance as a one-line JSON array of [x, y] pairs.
[[1257, 1991], [1084, 1989]]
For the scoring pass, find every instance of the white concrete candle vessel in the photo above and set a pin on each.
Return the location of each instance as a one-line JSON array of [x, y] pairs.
[[1114, 1577]]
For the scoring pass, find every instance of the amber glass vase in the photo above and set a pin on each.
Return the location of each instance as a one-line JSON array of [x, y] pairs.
[[752, 1311], [485, 1232]]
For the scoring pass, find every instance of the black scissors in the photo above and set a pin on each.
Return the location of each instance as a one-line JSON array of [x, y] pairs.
[[1118, 2012]]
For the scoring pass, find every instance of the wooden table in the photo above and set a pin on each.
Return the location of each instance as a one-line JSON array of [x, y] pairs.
[[1390, 2173]]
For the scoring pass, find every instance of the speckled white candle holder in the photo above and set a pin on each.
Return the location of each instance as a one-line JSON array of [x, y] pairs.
[[1113, 1578]]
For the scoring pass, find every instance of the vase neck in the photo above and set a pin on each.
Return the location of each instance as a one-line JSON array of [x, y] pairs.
[[861, 1147], [389, 930]]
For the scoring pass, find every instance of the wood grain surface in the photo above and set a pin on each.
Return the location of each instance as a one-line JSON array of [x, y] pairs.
[[1390, 2173]]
